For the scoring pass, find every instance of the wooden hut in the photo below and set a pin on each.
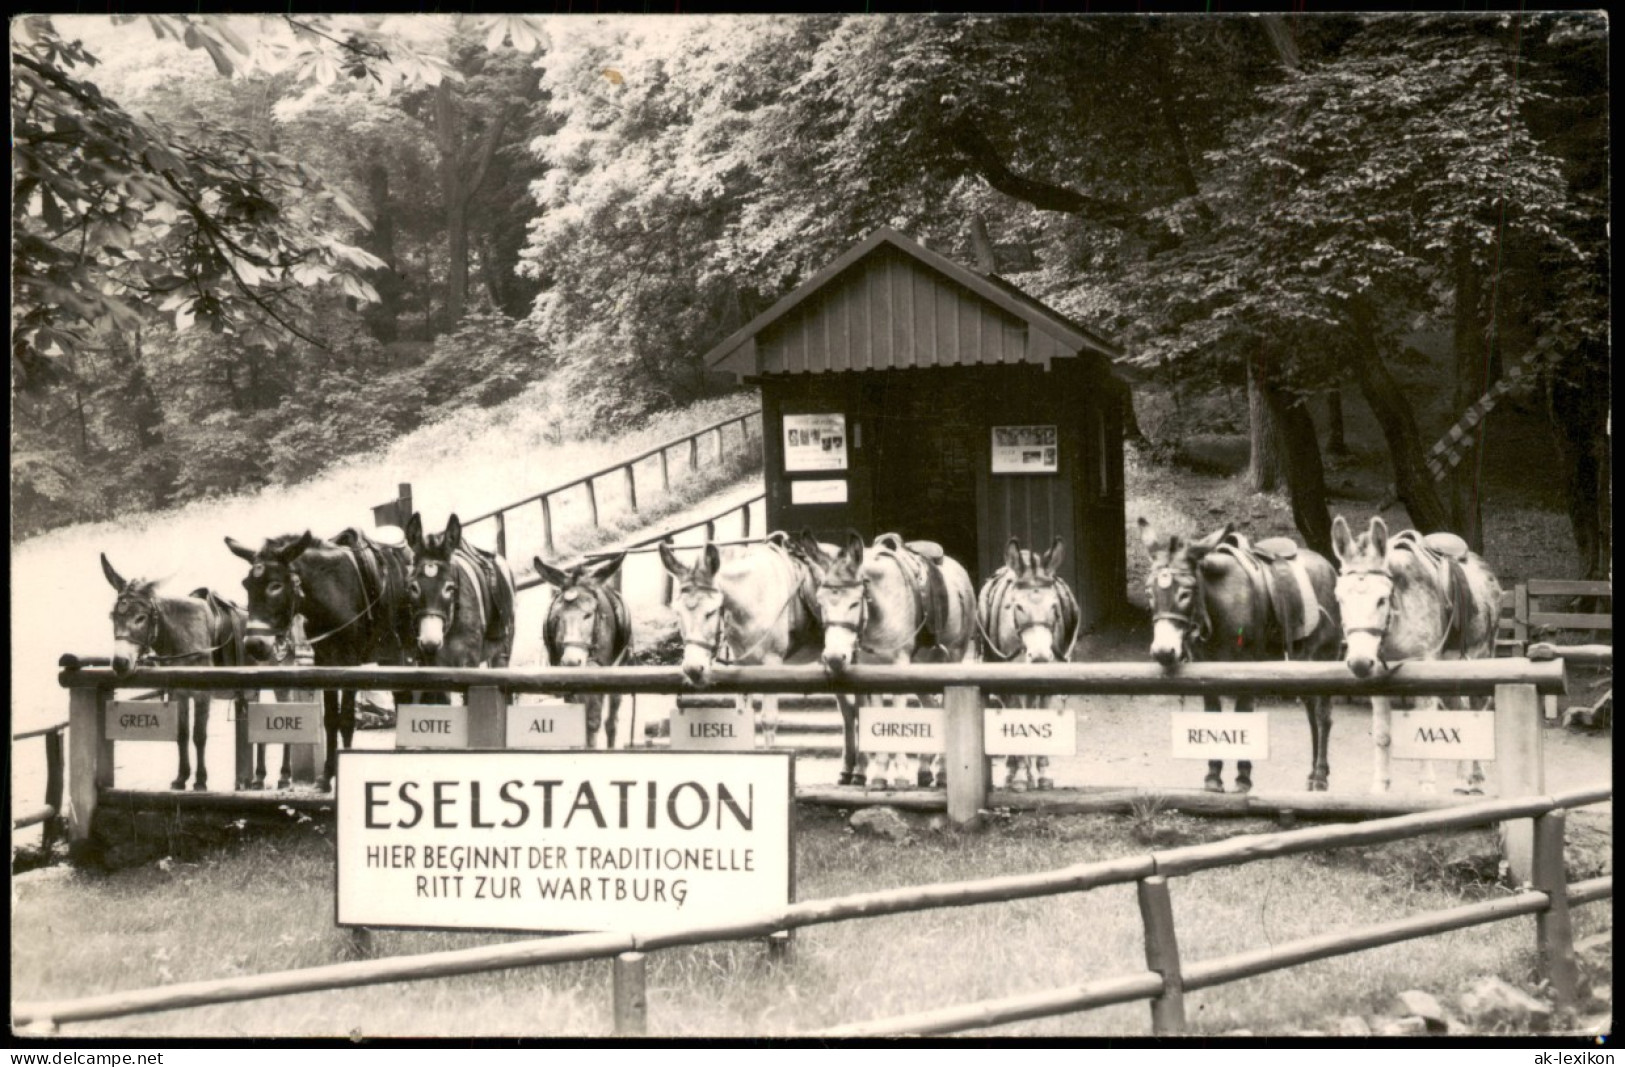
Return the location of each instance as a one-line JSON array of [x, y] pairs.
[[904, 392]]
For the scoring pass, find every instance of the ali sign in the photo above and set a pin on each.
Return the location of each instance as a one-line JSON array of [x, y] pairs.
[[567, 841]]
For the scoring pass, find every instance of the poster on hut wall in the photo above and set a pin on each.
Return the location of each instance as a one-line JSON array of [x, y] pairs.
[[815, 442], [1024, 450]]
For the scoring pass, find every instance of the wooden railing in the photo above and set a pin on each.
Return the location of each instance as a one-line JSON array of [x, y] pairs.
[[623, 469], [1164, 981], [50, 813]]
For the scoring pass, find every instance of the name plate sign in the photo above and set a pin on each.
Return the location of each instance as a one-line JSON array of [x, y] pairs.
[[431, 726], [143, 720], [713, 729], [906, 730], [556, 841], [286, 724], [1221, 735], [1030, 732], [1438, 734], [547, 726]]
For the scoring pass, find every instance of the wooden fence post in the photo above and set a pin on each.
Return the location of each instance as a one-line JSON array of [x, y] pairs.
[[1162, 955], [781, 948], [1554, 934], [487, 717], [668, 585], [693, 455], [90, 759], [631, 994], [966, 758], [1518, 745], [631, 487], [547, 529], [53, 790], [665, 472], [592, 501], [502, 535]]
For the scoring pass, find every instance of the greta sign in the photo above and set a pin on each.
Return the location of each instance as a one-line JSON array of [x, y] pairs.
[[543, 841], [142, 720]]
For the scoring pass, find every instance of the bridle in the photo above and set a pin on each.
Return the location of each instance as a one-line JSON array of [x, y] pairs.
[[296, 603], [448, 616], [563, 596], [1054, 621], [149, 637], [858, 627], [1380, 632], [1162, 584]]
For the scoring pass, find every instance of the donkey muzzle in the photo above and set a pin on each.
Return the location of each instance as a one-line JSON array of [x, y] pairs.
[[1360, 666]]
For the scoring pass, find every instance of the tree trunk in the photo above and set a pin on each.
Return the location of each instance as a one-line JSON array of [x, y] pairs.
[[1336, 441], [1264, 457], [1387, 400], [448, 140], [1472, 378], [384, 316], [982, 244], [1302, 467], [1578, 403]]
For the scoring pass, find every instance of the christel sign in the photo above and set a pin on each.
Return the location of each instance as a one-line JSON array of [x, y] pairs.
[[713, 729], [598, 840], [142, 720], [547, 726], [906, 730], [285, 724], [1434, 733], [1221, 735]]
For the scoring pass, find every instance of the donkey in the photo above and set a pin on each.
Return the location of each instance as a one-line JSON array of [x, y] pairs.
[[461, 599], [1411, 596], [894, 603], [1223, 599], [756, 608], [1027, 614], [194, 631], [352, 593], [588, 624]]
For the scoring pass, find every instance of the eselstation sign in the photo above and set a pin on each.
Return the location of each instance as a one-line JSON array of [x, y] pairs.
[[561, 841]]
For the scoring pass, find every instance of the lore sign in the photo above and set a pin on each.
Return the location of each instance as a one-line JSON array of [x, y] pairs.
[[1221, 735], [285, 724], [142, 720], [1436, 734], [541, 841]]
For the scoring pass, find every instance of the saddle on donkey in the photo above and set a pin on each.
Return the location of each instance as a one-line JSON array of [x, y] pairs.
[[1444, 553], [921, 562], [1286, 593]]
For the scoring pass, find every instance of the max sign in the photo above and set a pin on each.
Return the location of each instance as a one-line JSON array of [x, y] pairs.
[[544, 841]]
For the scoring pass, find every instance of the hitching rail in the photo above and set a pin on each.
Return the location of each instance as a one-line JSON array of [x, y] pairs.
[[1162, 983], [49, 813]]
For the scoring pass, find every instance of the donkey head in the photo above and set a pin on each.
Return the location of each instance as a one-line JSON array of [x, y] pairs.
[[1035, 600], [274, 589], [432, 587], [843, 604], [573, 617], [135, 618], [698, 605], [1365, 591], [1173, 587]]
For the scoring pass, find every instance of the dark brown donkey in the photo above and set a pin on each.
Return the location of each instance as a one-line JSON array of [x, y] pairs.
[[200, 630], [588, 625], [351, 591], [462, 599]]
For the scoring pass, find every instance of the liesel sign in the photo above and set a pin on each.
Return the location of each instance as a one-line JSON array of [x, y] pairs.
[[543, 841]]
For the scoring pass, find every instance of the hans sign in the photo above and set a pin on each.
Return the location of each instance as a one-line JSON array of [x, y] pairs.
[[539, 841]]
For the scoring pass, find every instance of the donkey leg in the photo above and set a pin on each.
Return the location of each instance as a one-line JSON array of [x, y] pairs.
[[347, 718], [258, 779], [330, 726], [284, 777], [1244, 768], [183, 769], [1044, 780], [595, 718], [849, 740], [1012, 774], [1320, 732], [612, 701], [1430, 768], [1381, 738], [1470, 773], [1214, 782], [200, 738]]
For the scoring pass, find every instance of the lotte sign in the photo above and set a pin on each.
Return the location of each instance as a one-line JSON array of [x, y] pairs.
[[554, 841]]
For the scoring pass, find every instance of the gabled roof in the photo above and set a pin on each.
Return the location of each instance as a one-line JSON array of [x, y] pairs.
[[1069, 336]]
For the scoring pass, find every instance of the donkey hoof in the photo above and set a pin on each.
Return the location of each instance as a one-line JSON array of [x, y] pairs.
[[923, 778], [1213, 784], [200, 786], [1017, 787], [940, 782], [324, 785], [179, 783], [844, 779], [284, 783], [1244, 785], [1046, 783]]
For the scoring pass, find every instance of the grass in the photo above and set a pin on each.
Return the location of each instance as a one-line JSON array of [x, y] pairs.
[[76, 933]]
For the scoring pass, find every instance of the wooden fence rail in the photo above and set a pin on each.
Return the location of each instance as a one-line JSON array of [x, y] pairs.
[[50, 813], [1162, 984], [624, 468]]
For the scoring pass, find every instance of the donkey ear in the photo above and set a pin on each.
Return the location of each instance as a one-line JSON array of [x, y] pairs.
[[1054, 557], [1379, 535], [669, 560], [297, 549], [710, 560], [1198, 549], [113, 579], [1012, 556], [853, 549], [414, 533], [454, 535], [809, 547], [237, 550], [1342, 539], [605, 570], [1149, 538], [551, 575]]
